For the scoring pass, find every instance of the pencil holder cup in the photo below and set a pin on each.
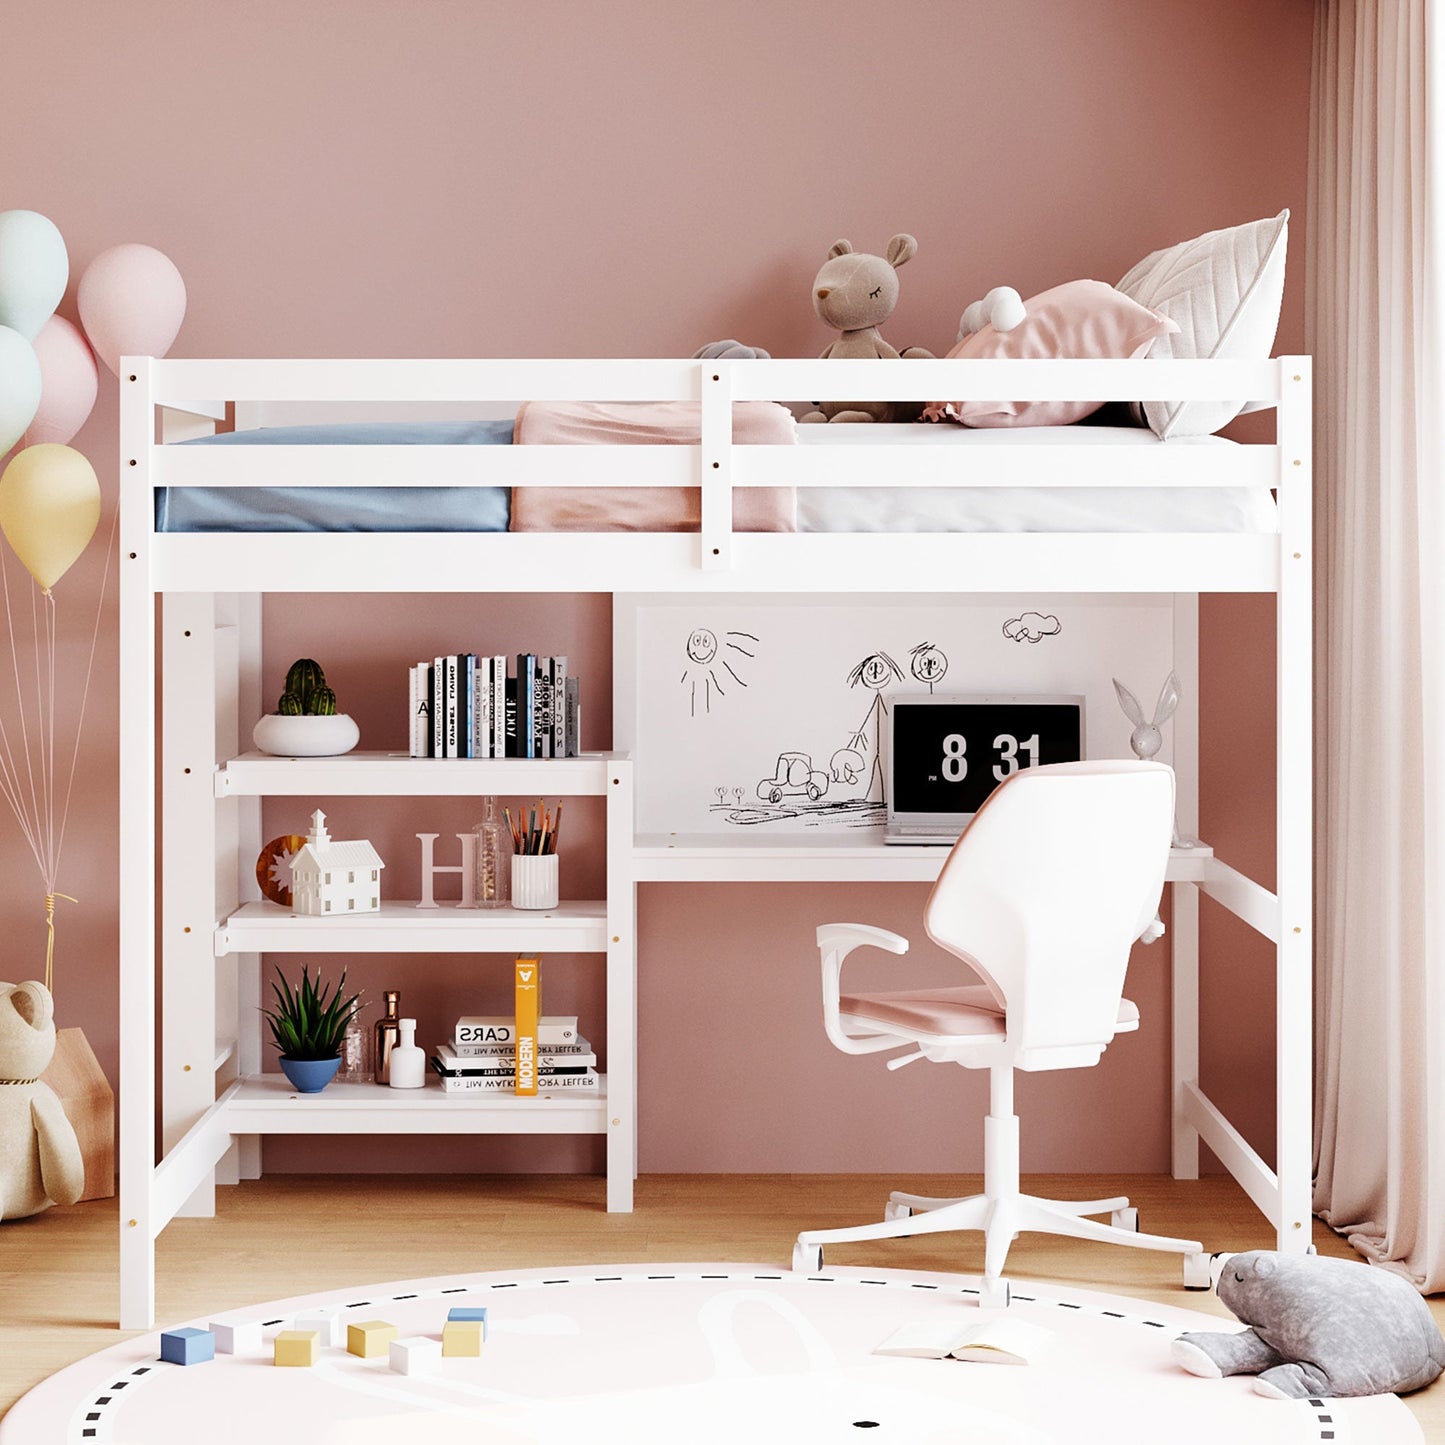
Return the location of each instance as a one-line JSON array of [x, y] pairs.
[[534, 880]]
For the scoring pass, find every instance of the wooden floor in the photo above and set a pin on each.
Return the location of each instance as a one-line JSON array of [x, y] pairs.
[[289, 1235]]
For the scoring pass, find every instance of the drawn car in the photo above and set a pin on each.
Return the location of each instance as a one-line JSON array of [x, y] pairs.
[[795, 774]]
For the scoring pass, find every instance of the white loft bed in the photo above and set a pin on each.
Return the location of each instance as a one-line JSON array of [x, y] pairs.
[[214, 1105]]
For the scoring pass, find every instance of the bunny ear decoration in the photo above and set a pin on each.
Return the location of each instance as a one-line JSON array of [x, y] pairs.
[[1168, 700], [1129, 703]]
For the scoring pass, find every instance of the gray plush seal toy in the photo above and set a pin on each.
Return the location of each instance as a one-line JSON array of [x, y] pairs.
[[1318, 1327]]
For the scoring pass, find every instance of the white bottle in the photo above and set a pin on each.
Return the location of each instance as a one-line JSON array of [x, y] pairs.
[[408, 1062]]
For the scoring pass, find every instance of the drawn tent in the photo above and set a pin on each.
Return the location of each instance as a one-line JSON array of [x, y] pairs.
[[770, 712]]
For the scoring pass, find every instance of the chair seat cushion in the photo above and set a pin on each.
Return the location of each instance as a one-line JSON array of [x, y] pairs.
[[968, 1011]]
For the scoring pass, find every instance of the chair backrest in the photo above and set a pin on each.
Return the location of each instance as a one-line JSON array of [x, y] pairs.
[[1045, 893]]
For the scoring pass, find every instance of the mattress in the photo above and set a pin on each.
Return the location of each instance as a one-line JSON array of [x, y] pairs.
[[1170, 508], [342, 508]]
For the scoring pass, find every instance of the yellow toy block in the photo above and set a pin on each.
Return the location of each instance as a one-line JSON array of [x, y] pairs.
[[298, 1347], [461, 1337], [371, 1339]]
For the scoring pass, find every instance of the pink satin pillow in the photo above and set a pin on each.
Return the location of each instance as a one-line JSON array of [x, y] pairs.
[[1081, 319]]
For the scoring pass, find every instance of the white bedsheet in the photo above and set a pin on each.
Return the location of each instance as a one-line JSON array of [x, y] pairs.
[[1025, 509]]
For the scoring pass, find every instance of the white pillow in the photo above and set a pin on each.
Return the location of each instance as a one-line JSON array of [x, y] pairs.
[[1224, 290]]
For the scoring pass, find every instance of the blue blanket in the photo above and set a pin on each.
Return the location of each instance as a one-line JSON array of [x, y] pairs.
[[341, 508]]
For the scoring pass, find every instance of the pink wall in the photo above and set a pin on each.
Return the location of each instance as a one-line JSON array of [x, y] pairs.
[[492, 179]]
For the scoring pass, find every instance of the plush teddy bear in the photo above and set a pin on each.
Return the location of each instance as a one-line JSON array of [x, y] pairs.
[[856, 293], [40, 1161], [1318, 1327], [730, 351]]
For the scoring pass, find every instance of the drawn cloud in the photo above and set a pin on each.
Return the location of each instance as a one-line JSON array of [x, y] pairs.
[[1031, 627]]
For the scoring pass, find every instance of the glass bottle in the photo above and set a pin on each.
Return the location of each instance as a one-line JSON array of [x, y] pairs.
[[494, 857], [386, 1036], [354, 1069]]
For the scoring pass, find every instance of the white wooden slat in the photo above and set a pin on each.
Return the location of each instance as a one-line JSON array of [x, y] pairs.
[[1253, 1175]]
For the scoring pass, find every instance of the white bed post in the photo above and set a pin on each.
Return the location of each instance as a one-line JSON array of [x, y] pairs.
[[715, 461], [1294, 1088], [136, 848], [249, 705], [1184, 911], [621, 991]]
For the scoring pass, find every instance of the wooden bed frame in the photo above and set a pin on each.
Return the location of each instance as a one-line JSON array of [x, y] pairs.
[[193, 778]]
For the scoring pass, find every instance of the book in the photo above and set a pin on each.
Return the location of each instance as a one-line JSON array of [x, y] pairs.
[[438, 707], [588, 1081], [548, 1061], [553, 1030], [544, 707], [526, 704], [559, 707], [576, 1045], [466, 704], [499, 706], [509, 718], [420, 720], [449, 664], [573, 708], [995, 1340], [527, 993]]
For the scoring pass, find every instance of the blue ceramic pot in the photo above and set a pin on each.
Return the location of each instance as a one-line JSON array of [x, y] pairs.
[[310, 1076]]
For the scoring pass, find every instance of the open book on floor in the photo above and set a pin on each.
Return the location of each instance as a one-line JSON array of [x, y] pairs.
[[995, 1339]]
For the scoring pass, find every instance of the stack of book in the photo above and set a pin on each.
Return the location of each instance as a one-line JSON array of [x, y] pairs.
[[482, 1057], [465, 706]]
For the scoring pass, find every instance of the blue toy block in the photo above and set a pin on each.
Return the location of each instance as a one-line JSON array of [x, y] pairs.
[[476, 1314], [188, 1346]]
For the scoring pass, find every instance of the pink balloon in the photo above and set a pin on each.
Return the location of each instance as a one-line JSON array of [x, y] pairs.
[[68, 381], [132, 301]]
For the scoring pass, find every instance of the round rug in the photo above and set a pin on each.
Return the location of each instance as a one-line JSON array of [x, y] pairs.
[[698, 1353]]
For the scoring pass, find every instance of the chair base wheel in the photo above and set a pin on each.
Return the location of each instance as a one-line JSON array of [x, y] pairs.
[[892, 1211], [1125, 1219], [807, 1258], [1199, 1270], [993, 1294]]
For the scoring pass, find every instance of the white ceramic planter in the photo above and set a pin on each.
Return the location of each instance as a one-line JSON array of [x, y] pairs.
[[306, 737]]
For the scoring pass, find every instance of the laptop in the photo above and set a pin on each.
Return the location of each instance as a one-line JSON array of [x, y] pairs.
[[943, 754]]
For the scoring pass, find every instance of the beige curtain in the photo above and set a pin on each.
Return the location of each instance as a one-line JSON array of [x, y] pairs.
[[1374, 270]]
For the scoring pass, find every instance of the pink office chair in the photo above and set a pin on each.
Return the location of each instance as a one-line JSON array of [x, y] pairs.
[[1059, 873]]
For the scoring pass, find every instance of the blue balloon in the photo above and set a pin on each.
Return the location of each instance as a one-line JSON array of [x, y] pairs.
[[19, 387], [34, 270]]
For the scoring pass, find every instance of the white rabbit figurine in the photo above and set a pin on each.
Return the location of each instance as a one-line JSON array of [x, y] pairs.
[[1146, 739]]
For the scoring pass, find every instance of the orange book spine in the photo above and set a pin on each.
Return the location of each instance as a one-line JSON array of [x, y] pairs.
[[527, 989]]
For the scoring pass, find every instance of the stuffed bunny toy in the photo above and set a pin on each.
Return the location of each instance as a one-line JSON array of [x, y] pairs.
[[856, 293], [1318, 1327], [40, 1161]]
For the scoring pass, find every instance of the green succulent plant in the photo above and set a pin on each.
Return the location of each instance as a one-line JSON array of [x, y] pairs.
[[310, 1022], [306, 693]]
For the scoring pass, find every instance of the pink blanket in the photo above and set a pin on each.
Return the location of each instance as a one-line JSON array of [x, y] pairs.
[[645, 509]]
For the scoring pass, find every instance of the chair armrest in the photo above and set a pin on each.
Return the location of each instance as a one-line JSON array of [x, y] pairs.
[[835, 942]]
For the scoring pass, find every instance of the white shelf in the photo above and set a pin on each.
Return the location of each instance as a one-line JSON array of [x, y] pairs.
[[365, 774], [851, 855], [574, 926], [267, 1104]]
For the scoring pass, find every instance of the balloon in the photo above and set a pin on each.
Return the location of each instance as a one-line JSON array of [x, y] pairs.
[[132, 301], [68, 381], [19, 387], [33, 271], [49, 507]]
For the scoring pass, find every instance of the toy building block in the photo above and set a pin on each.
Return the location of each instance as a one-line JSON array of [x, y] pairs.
[[469, 1314], [326, 1319], [370, 1339], [416, 1355], [462, 1337], [298, 1347], [243, 1338], [188, 1346]]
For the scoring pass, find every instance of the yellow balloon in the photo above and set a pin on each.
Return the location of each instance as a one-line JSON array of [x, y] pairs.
[[49, 507]]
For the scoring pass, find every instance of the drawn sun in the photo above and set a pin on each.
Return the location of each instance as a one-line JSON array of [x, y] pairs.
[[273, 867], [704, 664]]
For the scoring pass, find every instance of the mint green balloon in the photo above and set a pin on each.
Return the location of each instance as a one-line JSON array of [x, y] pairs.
[[19, 387], [34, 269]]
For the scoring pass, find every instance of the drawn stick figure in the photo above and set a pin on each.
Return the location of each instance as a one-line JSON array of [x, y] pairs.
[[929, 663], [875, 672]]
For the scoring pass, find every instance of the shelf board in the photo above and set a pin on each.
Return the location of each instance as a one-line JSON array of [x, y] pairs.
[[749, 855], [574, 926], [267, 1104], [370, 774]]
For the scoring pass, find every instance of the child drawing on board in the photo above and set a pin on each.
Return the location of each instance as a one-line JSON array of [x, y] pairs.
[[875, 672]]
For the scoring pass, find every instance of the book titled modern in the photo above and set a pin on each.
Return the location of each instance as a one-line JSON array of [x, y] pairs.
[[995, 1340], [527, 993]]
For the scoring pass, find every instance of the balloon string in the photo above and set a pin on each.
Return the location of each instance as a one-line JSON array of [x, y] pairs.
[[50, 937]]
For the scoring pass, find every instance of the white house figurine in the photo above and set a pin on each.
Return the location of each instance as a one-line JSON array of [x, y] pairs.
[[329, 877]]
